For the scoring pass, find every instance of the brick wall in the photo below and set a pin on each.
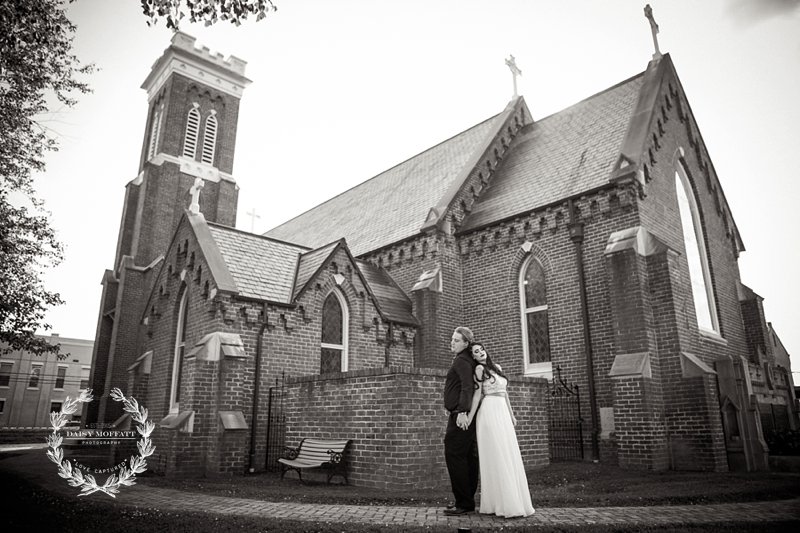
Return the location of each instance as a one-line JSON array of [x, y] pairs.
[[396, 421]]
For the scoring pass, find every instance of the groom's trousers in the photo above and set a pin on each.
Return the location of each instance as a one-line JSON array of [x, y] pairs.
[[461, 456]]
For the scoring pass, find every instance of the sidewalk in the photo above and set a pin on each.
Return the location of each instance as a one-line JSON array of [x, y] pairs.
[[36, 468]]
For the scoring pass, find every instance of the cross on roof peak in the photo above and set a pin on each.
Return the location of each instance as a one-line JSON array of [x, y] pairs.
[[511, 63], [648, 13]]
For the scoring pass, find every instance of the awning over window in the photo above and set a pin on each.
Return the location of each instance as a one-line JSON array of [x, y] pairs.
[[209, 347]]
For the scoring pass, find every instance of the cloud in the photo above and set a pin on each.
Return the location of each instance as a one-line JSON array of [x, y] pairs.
[[748, 12]]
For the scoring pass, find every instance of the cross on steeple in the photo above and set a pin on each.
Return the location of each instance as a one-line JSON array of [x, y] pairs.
[[515, 71], [194, 207], [648, 13], [253, 216]]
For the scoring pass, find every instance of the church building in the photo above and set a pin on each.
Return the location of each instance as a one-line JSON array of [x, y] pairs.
[[592, 247]]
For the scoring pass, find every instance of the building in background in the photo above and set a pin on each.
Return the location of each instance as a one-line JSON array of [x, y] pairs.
[[31, 386]]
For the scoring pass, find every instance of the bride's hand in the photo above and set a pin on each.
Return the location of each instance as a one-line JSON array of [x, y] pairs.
[[514, 420]]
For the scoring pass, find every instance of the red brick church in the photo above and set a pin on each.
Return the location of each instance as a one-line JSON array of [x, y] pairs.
[[595, 244]]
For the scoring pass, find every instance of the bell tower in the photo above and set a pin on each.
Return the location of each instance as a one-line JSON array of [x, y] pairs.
[[193, 109]]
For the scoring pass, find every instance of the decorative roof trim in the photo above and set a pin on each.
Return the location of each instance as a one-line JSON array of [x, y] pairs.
[[216, 263], [437, 214]]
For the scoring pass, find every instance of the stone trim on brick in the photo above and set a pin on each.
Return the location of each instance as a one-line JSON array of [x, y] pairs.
[[214, 345], [631, 364], [692, 366]]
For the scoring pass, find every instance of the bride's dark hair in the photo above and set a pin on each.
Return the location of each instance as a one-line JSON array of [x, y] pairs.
[[488, 365]]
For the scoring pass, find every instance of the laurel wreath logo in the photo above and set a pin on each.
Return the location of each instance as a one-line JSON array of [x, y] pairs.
[[127, 474]]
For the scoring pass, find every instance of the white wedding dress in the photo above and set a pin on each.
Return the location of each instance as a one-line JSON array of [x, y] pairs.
[[504, 486]]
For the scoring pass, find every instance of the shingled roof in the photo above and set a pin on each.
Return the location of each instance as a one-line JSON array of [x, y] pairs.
[[564, 154], [267, 269], [261, 267], [393, 205], [559, 156]]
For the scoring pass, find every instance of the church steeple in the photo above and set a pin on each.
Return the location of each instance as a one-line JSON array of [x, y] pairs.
[[193, 109], [188, 144]]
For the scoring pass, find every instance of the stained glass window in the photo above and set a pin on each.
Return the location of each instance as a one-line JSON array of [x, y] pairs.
[[333, 355], [536, 331], [694, 245], [180, 345]]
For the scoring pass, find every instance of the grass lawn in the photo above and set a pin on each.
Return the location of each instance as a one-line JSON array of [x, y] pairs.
[[557, 485]]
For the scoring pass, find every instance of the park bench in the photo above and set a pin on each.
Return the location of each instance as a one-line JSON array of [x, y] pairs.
[[317, 453]]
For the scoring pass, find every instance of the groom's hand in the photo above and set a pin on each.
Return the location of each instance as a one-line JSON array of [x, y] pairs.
[[462, 421]]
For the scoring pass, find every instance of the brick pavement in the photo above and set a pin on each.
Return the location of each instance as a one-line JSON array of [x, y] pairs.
[[31, 466]]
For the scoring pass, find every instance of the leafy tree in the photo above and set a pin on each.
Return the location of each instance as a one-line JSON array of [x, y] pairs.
[[208, 11], [36, 63]]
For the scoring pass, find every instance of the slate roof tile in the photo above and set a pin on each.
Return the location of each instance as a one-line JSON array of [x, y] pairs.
[[559, 156], [389, 207], [263, 268]]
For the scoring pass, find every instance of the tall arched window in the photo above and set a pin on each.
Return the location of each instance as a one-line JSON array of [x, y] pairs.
[[535, 327], [210, 139], [695, 246], [333, 357], [180, 349], [192, 132], [155, 132]]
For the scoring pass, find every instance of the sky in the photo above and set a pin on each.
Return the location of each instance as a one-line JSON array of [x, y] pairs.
[[342, 90]]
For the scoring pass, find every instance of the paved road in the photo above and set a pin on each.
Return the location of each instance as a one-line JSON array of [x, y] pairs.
[[37, 469]]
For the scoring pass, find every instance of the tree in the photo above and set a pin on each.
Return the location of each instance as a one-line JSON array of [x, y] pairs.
[[36, 63], [208, 11]]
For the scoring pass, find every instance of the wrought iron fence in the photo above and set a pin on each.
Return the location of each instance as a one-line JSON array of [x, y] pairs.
[[564, 419], [276, 426]]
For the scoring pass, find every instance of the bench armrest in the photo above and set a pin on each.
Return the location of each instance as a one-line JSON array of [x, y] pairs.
[[290, 453], [336, 457]]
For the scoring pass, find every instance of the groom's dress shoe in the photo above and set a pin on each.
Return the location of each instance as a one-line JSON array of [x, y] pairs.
[[455, 511]]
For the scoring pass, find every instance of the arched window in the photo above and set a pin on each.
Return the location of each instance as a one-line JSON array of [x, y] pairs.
[[180, 349], [155, 133], [333, 357], [535, 327], [210, 139], [192, 131], [695, 246]]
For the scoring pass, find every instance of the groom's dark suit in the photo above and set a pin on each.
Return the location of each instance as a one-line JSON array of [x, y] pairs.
[[460, 446]]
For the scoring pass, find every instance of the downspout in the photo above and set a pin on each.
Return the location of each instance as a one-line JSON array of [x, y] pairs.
[[256, 388], [576, 228]]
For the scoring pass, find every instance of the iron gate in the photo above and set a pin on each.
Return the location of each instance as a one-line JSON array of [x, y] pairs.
[[564, 419], [276, 427]]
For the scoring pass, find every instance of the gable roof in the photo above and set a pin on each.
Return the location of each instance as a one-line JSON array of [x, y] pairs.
[[391, 206], [559, 156], [310, 263], [390, 298], [261, 267]]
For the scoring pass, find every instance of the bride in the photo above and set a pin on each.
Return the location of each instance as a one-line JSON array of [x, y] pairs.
[[504, 486]]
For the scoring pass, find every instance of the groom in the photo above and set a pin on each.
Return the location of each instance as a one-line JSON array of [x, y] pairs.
[[460, 446]]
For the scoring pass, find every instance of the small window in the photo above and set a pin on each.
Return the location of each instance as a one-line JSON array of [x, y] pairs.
[[180, 346], [36, 373], [210, 139], [85, 377], [2, 405], [155, 133], [333, 357], [192, 132], [60, 377], [55, 407], [535, 320], [5, 373]]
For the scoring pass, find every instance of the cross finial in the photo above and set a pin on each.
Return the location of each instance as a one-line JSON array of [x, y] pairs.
[[515, 71], [194, 207], [253, 216], [648, 12]]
